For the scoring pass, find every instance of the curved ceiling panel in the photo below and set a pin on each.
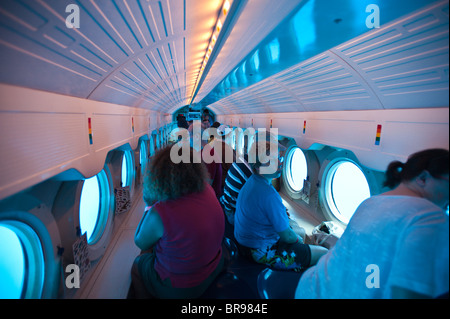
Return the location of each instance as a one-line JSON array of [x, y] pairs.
[[136, 53], [141, 53], [276, 68], [274, 56], [401, 65]]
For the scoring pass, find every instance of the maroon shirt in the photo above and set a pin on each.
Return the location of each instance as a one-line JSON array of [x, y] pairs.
[[191, 246]]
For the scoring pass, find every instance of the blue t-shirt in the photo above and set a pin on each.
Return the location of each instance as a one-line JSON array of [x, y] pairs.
[[260, 214]]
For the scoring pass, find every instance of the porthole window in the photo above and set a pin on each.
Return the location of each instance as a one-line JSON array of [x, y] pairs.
[[12, 264], [127, 169], [346, 187], [153, 146], [250, 140], [143, 157], [21, 261], [94, 206], [230, 139], [89, 206], [240, 142], [296, 169]]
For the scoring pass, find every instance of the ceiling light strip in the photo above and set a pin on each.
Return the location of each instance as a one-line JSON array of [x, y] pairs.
[[224, 13]]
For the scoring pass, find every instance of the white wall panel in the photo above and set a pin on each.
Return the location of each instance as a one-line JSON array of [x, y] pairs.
[[403, 132], [110, 130], [43, 134]]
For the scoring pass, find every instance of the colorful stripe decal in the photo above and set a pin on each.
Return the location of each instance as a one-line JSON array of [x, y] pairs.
[[378, 136], [90, 131]]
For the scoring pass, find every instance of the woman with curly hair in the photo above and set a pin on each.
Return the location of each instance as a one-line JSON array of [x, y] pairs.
[[183, 229]]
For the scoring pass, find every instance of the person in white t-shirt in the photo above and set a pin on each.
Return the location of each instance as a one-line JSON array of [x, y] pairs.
[[396, 245]]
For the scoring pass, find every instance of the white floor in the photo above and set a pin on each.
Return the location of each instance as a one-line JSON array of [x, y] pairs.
[[111, 277], [300, 215]]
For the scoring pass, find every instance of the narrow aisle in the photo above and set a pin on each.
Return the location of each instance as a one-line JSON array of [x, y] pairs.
[[112, 278]]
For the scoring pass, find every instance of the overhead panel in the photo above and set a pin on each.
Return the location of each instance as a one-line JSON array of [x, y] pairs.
[[376, 69], [278, 56], [143, 53], [406, 64]]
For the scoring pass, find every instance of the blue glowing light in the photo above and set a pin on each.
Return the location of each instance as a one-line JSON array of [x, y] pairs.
[[305, 26], [89, 206], [12, 264], [274, 50], [349, 189], [297, 169], [124, 170]]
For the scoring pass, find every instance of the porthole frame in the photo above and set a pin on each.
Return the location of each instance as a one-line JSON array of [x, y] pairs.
[[328, 169], [131, 174], [30, 228], [143, 158], [231, 139], [294, 193], [102, 232]]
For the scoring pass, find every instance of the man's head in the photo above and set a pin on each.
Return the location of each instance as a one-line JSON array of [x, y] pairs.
[[266, 155]]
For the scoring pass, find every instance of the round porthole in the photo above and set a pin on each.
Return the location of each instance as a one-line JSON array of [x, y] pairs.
[[250, 140], [296, 169], [94, 206], [240, 141], [21, 261], [127, 169], [143, 157], [345, 188], [232, 139]]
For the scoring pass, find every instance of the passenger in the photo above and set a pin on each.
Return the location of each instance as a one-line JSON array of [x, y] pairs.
[[182, 123], [215, 173], [225, 154], [239, 172], [228, 154], [397, 243], [206, 120], [212, 164], [183, 229], [261, 224]]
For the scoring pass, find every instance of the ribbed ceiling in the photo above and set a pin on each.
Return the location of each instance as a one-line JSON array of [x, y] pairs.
[[403, 64], [142, 53], [148, 53]]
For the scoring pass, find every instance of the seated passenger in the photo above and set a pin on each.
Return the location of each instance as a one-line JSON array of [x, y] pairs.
[[396, 245], [214, 168], [228, 154], [183, 229], [199, 141], [222, 153], [237, 175], [261, 223]]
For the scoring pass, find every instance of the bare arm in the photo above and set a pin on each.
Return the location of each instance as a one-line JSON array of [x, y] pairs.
[[288, 236], [149, 230]]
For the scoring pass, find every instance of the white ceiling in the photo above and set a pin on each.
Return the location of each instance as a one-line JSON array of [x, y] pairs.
[[148, 53], [144, 53], [257, 20], [404, 64]]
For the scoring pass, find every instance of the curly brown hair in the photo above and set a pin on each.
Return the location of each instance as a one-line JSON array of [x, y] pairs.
[[166, 180]]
